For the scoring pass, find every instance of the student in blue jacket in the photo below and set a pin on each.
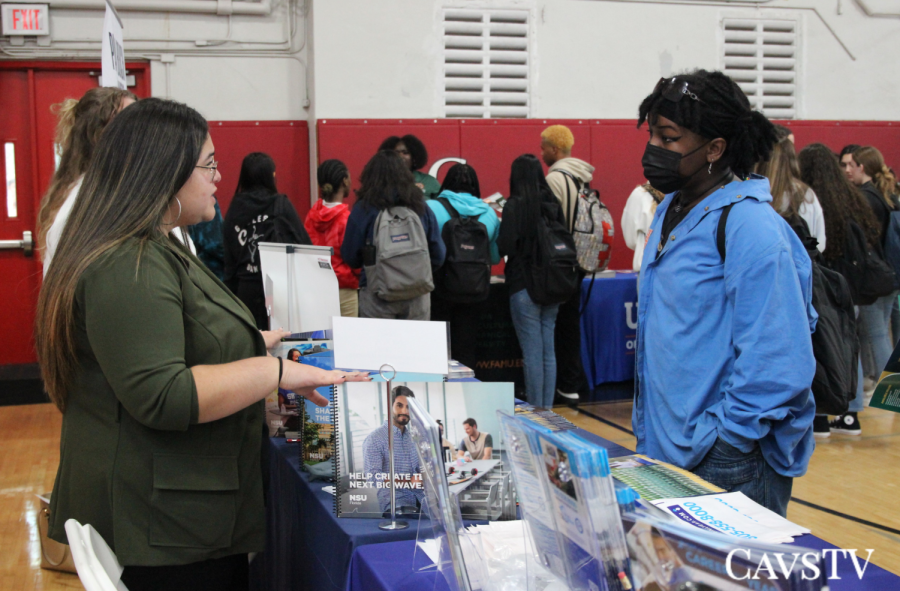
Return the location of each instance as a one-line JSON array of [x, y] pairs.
[[724, 357], [387, 182], [462, 190]]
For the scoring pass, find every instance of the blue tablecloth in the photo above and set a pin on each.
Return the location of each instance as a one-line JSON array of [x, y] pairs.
[[609, 328], [307, 547], [390, 567]]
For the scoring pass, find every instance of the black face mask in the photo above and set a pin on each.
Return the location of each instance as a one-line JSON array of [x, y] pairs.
[[661, 168]]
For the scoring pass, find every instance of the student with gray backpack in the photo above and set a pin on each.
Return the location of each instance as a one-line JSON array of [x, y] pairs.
[[393, 236]]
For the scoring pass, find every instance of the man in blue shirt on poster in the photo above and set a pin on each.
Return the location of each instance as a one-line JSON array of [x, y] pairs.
[[406, 460]]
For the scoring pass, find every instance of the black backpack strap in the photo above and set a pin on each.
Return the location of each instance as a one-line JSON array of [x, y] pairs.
[[720, 231], [450, 209]]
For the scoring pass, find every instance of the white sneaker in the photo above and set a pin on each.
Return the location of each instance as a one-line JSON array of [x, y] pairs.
[[568, 395]]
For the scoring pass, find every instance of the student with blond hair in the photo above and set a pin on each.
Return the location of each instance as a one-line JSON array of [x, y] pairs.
[[566, 177]]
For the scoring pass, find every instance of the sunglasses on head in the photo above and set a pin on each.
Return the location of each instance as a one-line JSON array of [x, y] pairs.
[[674, 89]]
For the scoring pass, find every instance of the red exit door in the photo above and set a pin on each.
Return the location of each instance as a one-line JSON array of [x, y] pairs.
[[28, 90]]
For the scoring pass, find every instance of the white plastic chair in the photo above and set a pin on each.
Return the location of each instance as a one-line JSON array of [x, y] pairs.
[[97, 566]]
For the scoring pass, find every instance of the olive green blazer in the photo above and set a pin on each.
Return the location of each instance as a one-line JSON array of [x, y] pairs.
[[134, 463]]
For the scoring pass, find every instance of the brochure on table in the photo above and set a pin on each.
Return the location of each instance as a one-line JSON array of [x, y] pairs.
[[300, 286], [667, 556], [887, 392], [361, 419]]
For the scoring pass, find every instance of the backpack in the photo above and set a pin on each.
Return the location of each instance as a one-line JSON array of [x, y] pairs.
[[466, 274], [835, 342], [866, 272], [552, 273], [591, 226], [402, 267]]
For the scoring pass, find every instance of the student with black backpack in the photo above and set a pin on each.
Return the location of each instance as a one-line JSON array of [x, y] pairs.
[[394, 237], [258, 213], [852, 250], [469, 228], [541, 272]]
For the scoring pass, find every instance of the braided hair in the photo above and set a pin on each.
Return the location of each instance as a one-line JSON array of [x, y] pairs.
[[461, 178], [330, 176], [841, 201], [722, 111]]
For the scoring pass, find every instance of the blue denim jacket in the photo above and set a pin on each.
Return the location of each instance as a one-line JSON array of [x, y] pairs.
[[724, 350]]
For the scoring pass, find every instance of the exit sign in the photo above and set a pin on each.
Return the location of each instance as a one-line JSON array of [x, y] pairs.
[[26, 19]]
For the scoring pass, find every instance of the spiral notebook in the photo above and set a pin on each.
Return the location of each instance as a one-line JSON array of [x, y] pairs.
[[360, 418]]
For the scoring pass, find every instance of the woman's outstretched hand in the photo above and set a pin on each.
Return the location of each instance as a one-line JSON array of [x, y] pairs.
[[304, 379]]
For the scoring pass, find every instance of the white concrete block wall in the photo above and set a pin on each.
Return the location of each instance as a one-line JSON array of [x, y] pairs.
[[592, 58]]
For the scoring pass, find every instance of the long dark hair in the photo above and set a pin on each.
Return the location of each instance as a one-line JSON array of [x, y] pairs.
[[386, 182], [840, 199], [141, 161], [257, 174], [722, 111], [461, 178], [529, 187], [81, 121]]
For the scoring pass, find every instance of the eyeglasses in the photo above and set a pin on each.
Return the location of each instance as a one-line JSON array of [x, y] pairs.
[[211, 168], [674, 89]]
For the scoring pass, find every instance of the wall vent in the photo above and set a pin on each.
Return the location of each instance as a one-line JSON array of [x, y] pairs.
[[762, 57], [486, 63]]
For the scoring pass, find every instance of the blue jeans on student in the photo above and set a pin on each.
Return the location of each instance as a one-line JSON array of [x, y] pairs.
[[874, 335], [728, 467], [857, 403], [535, 326]]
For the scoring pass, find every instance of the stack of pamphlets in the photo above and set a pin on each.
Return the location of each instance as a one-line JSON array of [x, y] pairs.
[[569, 502], [733, 514], [666, 555], [544, 418], [653, 479], [457, 370]]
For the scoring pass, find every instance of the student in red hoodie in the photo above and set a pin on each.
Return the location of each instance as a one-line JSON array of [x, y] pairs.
[[326, 223]]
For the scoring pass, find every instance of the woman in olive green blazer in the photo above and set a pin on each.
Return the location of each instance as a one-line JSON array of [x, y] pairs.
[[159, 370]]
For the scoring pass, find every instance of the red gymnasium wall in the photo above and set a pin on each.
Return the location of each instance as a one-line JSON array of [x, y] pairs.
[[614, 147], [287, 142]]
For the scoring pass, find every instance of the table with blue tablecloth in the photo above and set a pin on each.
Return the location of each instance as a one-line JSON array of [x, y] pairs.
[[307, 546], [609, 328], [397, 566]]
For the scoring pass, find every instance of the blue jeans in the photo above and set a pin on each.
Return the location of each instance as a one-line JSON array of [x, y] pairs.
[[874, 335], [728, 467], [535, 326], [857, 403]]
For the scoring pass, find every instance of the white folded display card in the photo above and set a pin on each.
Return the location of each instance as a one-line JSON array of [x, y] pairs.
[[405, 345]]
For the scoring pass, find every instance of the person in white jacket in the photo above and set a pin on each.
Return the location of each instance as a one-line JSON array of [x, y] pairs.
[[636, 219], [78, 130]]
